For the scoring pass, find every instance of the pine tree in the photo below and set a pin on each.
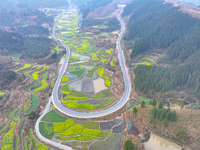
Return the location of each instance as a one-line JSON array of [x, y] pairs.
[[165, 123], [154, 102], [142, 104], [134, 110], [160, 106], [154, 112], [173, 116]]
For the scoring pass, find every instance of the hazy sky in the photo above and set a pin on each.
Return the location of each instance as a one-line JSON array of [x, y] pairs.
[[194, 2]]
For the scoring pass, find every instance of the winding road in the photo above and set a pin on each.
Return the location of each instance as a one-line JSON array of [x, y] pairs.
[[57, 103]]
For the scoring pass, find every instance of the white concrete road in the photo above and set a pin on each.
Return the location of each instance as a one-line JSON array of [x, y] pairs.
[[57, 103], [117, 106]]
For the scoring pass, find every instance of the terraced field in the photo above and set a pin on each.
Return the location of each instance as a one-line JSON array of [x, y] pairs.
[[8, 138], [68, 129], [85, 72], [39, 74]]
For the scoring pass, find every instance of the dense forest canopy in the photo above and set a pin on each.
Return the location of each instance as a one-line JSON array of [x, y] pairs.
[[153, 24], [10, 42], [37, 47], [32, 46]]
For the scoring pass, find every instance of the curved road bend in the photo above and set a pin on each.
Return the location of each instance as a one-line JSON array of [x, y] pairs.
[[117, 106], [60, 107], [48, 106]]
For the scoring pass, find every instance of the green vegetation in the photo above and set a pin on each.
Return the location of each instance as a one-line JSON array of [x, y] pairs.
[[64, 79], [143, 63], [24, 67], [54, 56], [75, 98], [66, 89], [26, 106], [4, 128], [44, 76], [38, 47], [110, 51], [94, 57], [35, 83], [142, 104], [134, 110], [78, 71], [37, 145], [33, 30], [2, 93], [101, 74], [68, 34], [73, 59], [103, 94], [15, 55], [46, 129], [8, 138], [35, 74], [129, 145], [103, 60], [146, 100], [78, 94], [107, 82], [77, 132], [11, 116], [104, 34], [7, 77], [58, 50], [91, 72], [78, 64], [10, 42], [90, 132], [84, 47], [43, 86], [112, 62], [16, 142], [73, 103], [52, 116], [150, 59], [33, 115], [27, 73], [70, 103], [88, 106], [16, 63], [60, 127], [74, 130], [89, 125], [70, 43], [34, 104], [164, 114], [179, 37]]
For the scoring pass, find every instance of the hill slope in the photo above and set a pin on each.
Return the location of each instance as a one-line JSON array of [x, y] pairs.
[[155, 25]]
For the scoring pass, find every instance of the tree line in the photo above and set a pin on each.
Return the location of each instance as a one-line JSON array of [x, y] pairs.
[[158, 112]]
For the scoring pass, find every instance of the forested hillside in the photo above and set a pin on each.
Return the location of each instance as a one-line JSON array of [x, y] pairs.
[[153, 24], [10, 42], [91, 5]]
